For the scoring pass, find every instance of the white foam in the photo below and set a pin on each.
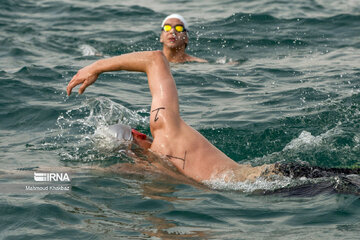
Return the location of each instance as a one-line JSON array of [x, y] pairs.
[[306, 139], [83, 129], [226, 60], [221, 60], [88, 50], [249, 186]]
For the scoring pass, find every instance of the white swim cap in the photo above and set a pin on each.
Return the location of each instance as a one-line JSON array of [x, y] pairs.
[[120, 132], [178, 16]]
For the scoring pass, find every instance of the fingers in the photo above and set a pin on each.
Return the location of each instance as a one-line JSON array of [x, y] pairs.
[[73, 83], [69, 88], [83, 87], [85, 77]]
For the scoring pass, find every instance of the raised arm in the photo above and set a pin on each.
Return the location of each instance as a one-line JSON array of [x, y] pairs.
[[154, 64]]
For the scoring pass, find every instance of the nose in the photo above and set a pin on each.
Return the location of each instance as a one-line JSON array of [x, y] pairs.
[[172, 30]]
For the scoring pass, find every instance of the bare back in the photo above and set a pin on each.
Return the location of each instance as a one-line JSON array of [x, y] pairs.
[[186, 148]]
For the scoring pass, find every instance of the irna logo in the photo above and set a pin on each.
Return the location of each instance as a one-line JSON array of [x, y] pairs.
[[51, 177]]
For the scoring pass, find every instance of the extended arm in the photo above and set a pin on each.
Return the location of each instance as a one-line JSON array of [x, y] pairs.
[[88, 75], [153, 63]]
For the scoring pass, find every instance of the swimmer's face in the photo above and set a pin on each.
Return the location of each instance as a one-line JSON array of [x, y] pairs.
[[174, 39]]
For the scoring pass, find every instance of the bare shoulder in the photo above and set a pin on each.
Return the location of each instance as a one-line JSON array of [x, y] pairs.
[[196, 59]]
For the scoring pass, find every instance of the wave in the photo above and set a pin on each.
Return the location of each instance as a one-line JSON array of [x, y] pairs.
[[266, 31], [75, 10], [248, 19], [88, 50], [321, 135], [78, 138], [260, 184]]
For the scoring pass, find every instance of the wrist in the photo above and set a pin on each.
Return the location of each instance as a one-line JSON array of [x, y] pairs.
[[96, 67]]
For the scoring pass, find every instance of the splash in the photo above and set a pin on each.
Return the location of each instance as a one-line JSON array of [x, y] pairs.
[[260, 184], [226, 60], [98, 112], [82, 135], [349, 184], [336, 147], [305, 139], [88, 50]]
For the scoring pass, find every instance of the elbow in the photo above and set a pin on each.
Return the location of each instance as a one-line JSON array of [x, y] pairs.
[[155, 59], [158, 57]]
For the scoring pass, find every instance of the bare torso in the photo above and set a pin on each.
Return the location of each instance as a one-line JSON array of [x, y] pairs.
[[187, 149], [195, 156]]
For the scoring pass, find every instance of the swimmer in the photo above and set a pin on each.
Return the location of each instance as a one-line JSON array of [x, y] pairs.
[[190, 152], [175, 38]]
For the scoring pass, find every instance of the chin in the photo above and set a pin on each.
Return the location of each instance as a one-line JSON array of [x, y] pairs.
[[173, 45]]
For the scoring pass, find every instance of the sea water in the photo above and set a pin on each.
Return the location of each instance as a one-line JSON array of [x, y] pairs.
[[282, 85]]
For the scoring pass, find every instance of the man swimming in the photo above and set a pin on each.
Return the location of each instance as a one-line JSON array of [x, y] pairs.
[[175, 38], [187, 149], [192, 154]]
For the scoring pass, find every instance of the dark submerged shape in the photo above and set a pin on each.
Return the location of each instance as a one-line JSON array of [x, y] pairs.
[[298, 170]]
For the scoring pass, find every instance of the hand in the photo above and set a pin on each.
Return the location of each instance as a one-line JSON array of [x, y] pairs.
[[85, 76]]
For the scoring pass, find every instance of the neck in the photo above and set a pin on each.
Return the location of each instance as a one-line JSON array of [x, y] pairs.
[[175, 55]]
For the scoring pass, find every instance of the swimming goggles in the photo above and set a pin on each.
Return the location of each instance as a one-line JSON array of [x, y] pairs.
[[178, 28]]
